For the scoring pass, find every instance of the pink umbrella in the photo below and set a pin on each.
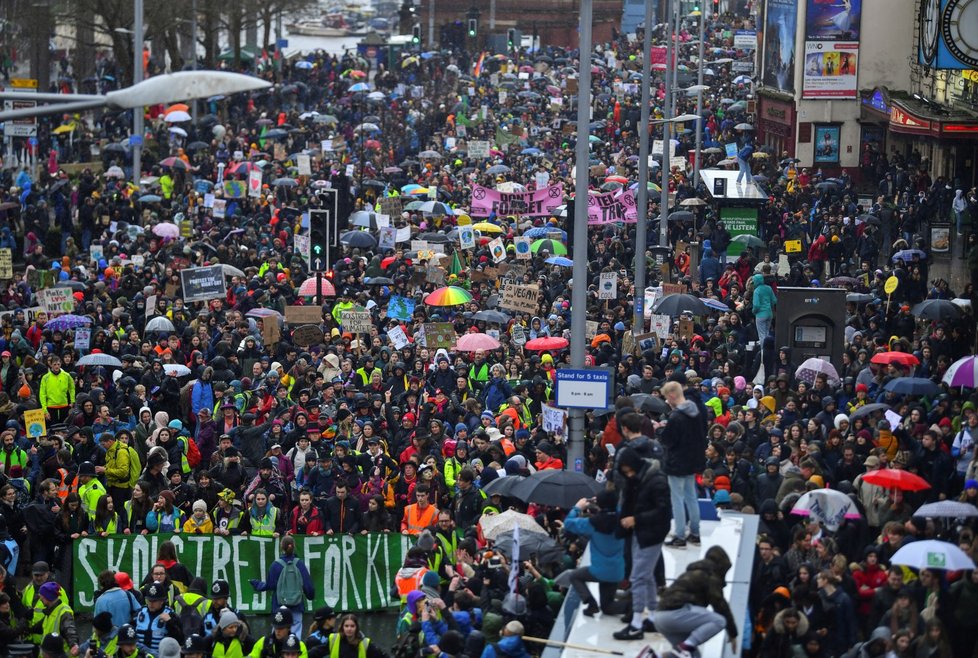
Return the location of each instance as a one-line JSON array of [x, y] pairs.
[[308, 288], [167, 230], [476, 342]]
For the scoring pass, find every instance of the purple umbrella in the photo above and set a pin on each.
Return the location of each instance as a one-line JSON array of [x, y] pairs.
[[963, 372], [66, 322]]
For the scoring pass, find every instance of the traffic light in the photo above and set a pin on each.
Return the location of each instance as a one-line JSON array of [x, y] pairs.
[[473, 26], [511, 37], [416, 34], [319, 237]]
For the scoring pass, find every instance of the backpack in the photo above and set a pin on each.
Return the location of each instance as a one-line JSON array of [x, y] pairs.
[[134, 473], [288, 589], [407, 645], [191, 450], [189, 617]]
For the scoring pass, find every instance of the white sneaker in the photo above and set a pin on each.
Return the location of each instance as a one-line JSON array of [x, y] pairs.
[[678, 653]]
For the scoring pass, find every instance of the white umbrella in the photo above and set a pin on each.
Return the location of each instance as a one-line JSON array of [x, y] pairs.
[[176, 116], [933, 554], [499, 524], [231, 270], [160, 323], [943, 509], [178, 131], [177, 368], [815, 366], [114, 172], [828, 506], [106, 360]]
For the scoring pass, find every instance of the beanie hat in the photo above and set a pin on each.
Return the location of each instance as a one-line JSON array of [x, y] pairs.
[[169, 648], [227, 619], [200, 505], [102, 622], [839, 419], [50, 591], [862, 388], [721, 497], [971, 484]]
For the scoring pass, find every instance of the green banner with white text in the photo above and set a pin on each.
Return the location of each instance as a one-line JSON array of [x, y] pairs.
[[349, 572]]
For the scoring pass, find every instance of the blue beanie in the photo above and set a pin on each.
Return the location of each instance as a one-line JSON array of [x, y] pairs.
[[460, 427], [522, 433]]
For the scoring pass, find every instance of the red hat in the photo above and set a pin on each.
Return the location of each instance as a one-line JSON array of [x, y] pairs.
[[944, 422], [862, 388], [123, 580], [721, 390], [410, 416], [721, 482]]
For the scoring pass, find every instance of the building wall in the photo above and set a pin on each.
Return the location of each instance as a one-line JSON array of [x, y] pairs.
[[885, 46]]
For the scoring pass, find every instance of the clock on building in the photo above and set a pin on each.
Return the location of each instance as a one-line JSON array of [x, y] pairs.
[[959, 28], [929, 29]]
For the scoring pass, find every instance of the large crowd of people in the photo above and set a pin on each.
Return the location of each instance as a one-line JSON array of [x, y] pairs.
[[208, 417]]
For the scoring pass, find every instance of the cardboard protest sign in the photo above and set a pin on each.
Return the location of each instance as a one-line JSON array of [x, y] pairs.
[[523, 299]]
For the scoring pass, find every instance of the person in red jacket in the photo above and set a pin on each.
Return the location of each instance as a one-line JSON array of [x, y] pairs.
[[306, 519], [869, 578], [545, 458]]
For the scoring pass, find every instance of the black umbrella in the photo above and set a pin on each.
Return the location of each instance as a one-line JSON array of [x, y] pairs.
[[860, 297], [649, 403], [868, 409], [433, 236], [676, 305], [196, 146], [872, 220], [360, 239], [491, 316], [556, 488], [681, 216], [114, 148], [379, 281], [531, 543], [937, 309], [503, 486]]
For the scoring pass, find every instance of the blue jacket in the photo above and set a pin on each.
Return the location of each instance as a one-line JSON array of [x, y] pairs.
[[496, 392], [764, 300], [607, 551], [275, 571], [119, 603], [202, 396], [710, 268], [510, 646]]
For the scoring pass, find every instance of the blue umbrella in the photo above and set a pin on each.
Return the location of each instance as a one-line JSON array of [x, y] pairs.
[[560, 260], [715, 305], [360, 86], [907, 255], [150, 198], [915, 386], [543, 231], [531, 151], [67, 321], [303, 64]]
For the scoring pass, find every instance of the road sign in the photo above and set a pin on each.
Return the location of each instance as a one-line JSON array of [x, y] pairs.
[[21, 127], [583, 389], [322, 226]]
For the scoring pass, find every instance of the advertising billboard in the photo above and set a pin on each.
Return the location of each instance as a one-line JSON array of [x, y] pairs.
[[830, 69], [780, 30], [833, 20]]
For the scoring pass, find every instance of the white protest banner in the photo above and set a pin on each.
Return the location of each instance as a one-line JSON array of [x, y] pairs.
[[388, 238], [404, 234], [350, 170], [56, 300], [138, 260], [220, 207], [523, 244], [302, 246], [419, 245], [209, 200], [96, 252], [502, 96], [383, 220], [397, 337], [541, 179], [522, 299], [553, 420], [497, 249], [661, 325], [6, 264], [83, 339], [608, 285], [519, 334], [304, 163], [357, 322], [466, 237], [254, 183], [590, 329], [478, 148]]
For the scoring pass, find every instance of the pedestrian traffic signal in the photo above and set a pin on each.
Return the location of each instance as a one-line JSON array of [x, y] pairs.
[[319, 236], [416, 34], [511, 37], [473, 27]]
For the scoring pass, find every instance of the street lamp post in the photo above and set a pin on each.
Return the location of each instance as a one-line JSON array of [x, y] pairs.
[[137, 77], [641, 227], [699, 103]]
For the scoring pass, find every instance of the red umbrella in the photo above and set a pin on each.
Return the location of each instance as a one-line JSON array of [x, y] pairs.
[[541, 344], [476, 342], [891, 478], [308, 288], [898, 358], [390, 259]]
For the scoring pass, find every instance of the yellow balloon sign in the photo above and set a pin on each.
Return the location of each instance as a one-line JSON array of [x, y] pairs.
[[891, 285]]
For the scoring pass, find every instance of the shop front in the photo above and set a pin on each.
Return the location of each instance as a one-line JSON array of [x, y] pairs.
[[776, 123]]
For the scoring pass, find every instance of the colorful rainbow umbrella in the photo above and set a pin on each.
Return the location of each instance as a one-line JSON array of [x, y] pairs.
[[448, 296]]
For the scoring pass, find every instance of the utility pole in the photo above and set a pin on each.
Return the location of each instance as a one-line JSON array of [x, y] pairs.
[[137, 77], [575, 419], [431, 24], [642, 226]]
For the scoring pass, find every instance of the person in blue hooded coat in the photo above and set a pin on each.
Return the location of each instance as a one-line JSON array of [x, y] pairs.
[[607, 550], [510, 645]]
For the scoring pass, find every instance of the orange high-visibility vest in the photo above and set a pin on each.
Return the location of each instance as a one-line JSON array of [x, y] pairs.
[[416, 519]]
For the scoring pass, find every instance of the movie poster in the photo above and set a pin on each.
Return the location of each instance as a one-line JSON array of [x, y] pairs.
[[780, 30]]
